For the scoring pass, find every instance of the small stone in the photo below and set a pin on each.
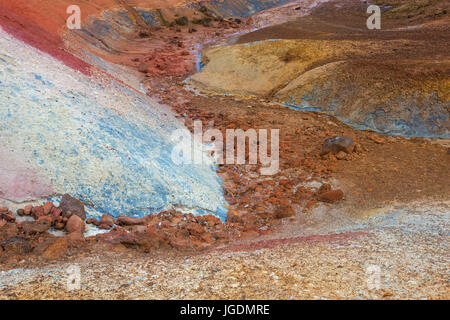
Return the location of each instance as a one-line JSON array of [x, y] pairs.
[[336, 144], [107, 220], [7, 216], [45, 218], [47, 207], [324, 188], [27, 210], [104, 226], [35, 227], [75, 224], [56, 213], [59, 226], [70, 205], [129, 221], [341, 155], [284, 212], [38, 211], [332, 196]]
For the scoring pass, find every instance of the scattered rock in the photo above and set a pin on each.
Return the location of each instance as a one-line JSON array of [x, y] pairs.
[[75, 224], [376, 139], [332, 196], [324, 188], [129, 221], [341, 155], [35, 227], [337, 144], [104, 226], [70, 206], [56, 214], [27, 210], [7, 216], [107, 220], [47, 207], [45, 218], [37, 212], [284, 212]]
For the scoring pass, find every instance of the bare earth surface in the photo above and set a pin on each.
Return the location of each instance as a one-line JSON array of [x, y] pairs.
[[407, 247]]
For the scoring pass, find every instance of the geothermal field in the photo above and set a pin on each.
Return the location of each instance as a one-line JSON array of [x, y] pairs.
[[224, 149]]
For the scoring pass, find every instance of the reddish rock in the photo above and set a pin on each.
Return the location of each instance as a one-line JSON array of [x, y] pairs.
[[310, 204], [129, 221], [284, 212], [47, 207], [336, 144], [56, 213], [27, 210], [332, 196], [59, 225], [70, 206], [211, 220], [37, 212], [341, 155], [45, 218], [35, 227], [324, 188], [75, 224], [90, 221], [104, 226], [107, 220]]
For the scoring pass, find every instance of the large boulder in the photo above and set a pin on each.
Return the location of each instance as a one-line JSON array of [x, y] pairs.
[[75, 224], [71, 206]]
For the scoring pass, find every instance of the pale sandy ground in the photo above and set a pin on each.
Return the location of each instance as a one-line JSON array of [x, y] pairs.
[[405, 256]]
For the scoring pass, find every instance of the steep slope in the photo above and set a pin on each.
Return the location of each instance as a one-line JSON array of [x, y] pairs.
[[110, 146]]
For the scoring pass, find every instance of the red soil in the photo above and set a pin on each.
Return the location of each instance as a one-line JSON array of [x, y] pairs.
[[30, 33]]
